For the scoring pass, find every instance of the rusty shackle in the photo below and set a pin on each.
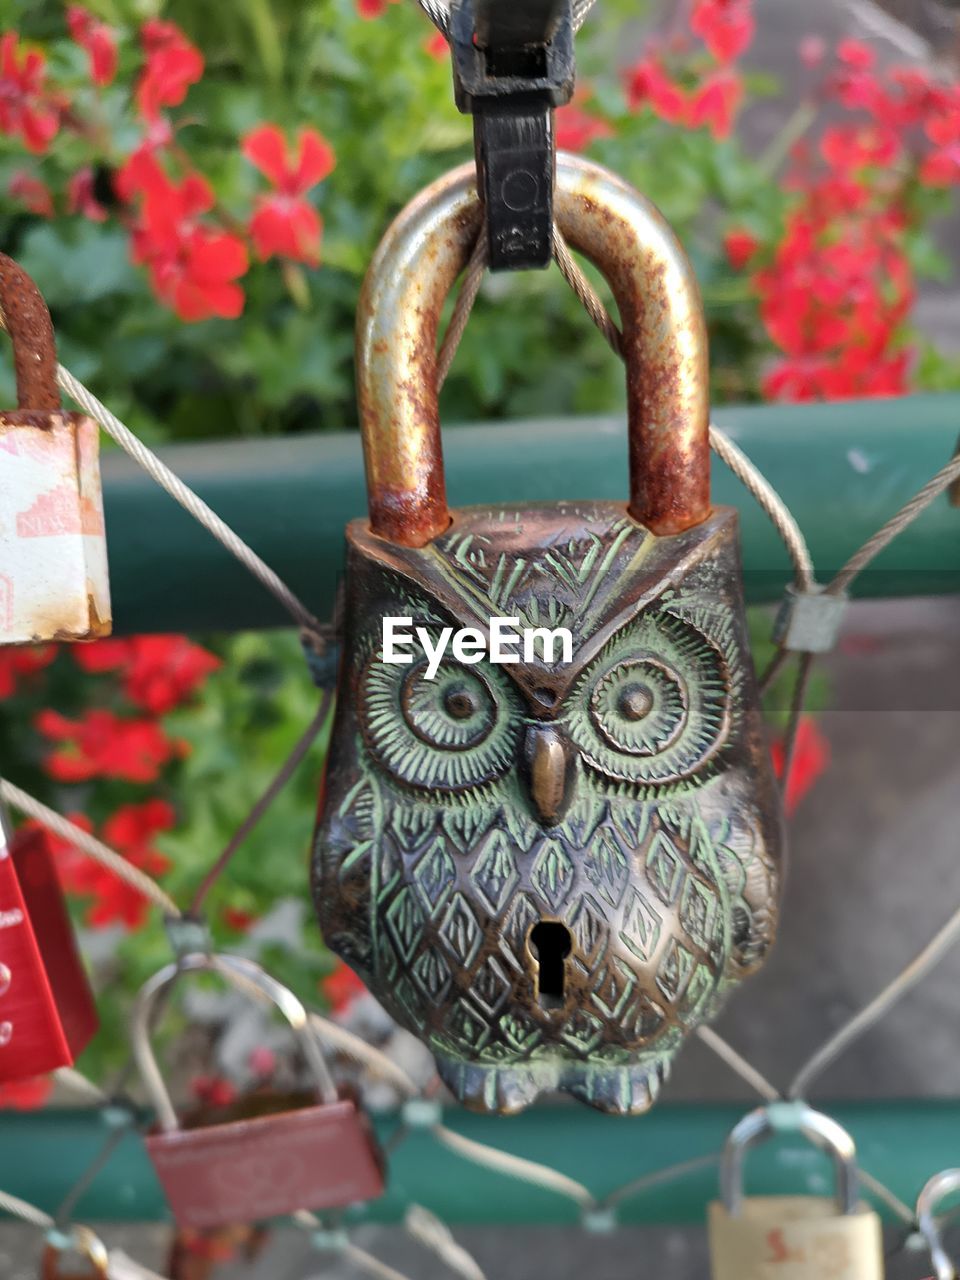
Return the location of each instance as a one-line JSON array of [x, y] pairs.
[[27, 320], [664, 343]]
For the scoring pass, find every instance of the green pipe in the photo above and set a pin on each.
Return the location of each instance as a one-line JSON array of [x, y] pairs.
[[842, 468], [42, 1155]]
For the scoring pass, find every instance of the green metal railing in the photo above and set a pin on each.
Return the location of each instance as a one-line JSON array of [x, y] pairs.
[[843, 469], [43, 1155]]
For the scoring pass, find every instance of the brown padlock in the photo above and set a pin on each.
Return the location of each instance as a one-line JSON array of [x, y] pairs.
[[244, 1169], [53, 549], [78, 1247]]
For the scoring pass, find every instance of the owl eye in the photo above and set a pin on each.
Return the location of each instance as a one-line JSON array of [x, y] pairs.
[[455, 731], [653, 708], [639, 707]]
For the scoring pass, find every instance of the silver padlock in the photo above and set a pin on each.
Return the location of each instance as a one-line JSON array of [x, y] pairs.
[[940, 1185], [798, 1237]]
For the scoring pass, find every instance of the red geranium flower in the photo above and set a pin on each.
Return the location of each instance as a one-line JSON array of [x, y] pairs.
[[213, 1091], [740, 246], [32, 193], [341, 987], [158, 672], [715, 103], [368, 9], [284, 222], [577, 128], [810, 758], [98, 40], [725, 26], [24, 108], [173, 65], [130, 832], [648, 84], [103, 745], [16, 661], [193, 267], [436, 46], [237, 920], [81, 199]]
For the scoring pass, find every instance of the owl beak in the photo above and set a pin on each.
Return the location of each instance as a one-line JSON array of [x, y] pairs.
[[548, 770]]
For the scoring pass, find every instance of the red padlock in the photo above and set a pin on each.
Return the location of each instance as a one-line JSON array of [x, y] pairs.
[[47, 1011], [320, 1156]]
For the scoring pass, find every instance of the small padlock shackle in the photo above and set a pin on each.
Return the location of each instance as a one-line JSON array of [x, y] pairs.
[[664, 343], [246, 976], [27, 320], [940, 1185], [81, 1241], [782, 1117]]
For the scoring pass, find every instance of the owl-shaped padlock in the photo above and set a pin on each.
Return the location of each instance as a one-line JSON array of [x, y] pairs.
[[53, 547], [554, 865]]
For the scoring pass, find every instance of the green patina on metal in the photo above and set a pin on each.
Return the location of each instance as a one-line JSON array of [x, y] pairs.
[[438, 857]]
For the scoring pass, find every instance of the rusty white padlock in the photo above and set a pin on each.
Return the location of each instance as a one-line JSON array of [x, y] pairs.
[[793, 1237], [53, 546], [939, 1186], [248, 1168]]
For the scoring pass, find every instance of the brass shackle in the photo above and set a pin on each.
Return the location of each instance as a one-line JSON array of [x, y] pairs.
[[664, 341]]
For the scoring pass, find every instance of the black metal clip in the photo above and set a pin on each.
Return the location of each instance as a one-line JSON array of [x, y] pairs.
[[513, 63]]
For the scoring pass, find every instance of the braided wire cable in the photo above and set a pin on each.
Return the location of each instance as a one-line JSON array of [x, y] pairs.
[[909, 512], [185, 496], [753, 480], [515, 1166], [90, 845]]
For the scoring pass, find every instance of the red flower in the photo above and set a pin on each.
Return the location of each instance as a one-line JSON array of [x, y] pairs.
[[647, 84], [368, 9], [237, 920], [102, 745], [32, 193], [341, 988], [81, 199], [140, 170], [192, 267], [213, 1091], [25, 1095], [159, 672], [715, 103], [98, 40], [577, 128], [23, 107], [847, 148], [284, 222], [173, 65], [17, 661], [811, 756], [725, 26], [129, 831], [856, 54], [740, 246], [436, 46]]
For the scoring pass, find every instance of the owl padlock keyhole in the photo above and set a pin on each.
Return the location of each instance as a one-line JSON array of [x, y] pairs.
[[550, 943], [550, 867]]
